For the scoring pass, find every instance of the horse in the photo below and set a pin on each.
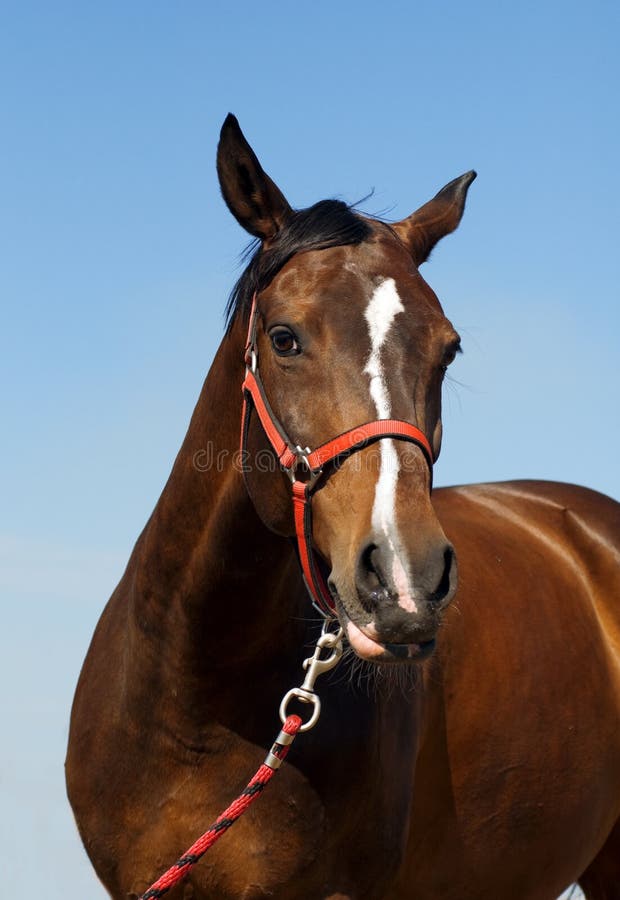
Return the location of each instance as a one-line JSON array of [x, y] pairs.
[[466, 750]]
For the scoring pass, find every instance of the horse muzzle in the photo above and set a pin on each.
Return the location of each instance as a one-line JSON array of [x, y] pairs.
[[391, 610]]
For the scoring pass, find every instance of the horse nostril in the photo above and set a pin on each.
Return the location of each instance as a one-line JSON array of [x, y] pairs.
[[369, 568], [366, 559], [448, 577], [370, 577]]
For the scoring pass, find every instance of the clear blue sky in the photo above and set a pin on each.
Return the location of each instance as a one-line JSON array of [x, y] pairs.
[[118, 253]]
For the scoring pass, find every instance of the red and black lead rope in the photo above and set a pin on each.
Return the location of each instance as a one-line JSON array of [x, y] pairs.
[[248, 795]]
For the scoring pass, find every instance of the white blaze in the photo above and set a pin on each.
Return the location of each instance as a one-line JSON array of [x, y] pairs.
[[383, 307]]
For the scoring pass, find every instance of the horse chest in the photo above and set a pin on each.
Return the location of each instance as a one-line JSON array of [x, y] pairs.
[[296, 841]]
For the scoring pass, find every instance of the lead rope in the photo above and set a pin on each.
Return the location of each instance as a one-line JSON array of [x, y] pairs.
[[292, 725]]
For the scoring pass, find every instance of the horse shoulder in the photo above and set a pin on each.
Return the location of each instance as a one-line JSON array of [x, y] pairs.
[[521, 746]]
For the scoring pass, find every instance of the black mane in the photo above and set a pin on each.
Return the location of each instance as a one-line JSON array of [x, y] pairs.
[[329, 223]]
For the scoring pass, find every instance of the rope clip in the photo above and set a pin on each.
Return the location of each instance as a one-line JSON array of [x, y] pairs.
[[314, 666]]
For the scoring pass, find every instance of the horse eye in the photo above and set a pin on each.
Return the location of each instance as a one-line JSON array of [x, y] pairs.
[[450, 354], [284, 342]]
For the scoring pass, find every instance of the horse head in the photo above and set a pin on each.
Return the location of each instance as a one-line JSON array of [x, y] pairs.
[[346, 331]]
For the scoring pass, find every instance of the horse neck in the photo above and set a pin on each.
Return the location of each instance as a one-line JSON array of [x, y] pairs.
[[211, 588], [212, 603]]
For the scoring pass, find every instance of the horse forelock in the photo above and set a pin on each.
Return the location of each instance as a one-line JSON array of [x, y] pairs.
[[328, 223]]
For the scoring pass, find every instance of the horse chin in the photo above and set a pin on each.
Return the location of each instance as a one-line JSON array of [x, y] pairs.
[[366, 644]]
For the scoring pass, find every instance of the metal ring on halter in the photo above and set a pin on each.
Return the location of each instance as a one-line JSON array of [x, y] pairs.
[[303, 697], [301, 462]]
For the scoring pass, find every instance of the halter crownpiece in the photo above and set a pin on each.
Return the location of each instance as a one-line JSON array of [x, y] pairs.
[[296, 460]]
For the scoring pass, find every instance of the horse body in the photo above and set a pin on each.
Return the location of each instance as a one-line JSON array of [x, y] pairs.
[[493, 771]]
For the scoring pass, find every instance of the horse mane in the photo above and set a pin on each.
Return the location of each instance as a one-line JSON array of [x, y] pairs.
[[328, 223]]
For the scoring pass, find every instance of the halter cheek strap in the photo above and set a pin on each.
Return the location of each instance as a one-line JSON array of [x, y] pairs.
[[305, 467]]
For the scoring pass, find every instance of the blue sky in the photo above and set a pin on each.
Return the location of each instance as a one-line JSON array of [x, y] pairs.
[[118, 254]]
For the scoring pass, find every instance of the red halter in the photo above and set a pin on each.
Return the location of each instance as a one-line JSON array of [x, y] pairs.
[[292, 458]]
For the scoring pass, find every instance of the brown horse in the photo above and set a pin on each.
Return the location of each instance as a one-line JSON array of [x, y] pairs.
[[493, 769]]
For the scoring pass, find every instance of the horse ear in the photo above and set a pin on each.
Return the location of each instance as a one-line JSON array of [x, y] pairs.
[[437, 218], [254, 200]]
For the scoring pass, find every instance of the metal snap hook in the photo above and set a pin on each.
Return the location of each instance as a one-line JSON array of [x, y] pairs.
[[314, 666]]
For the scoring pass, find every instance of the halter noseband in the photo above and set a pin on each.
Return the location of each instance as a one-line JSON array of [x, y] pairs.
[[294, 459]]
